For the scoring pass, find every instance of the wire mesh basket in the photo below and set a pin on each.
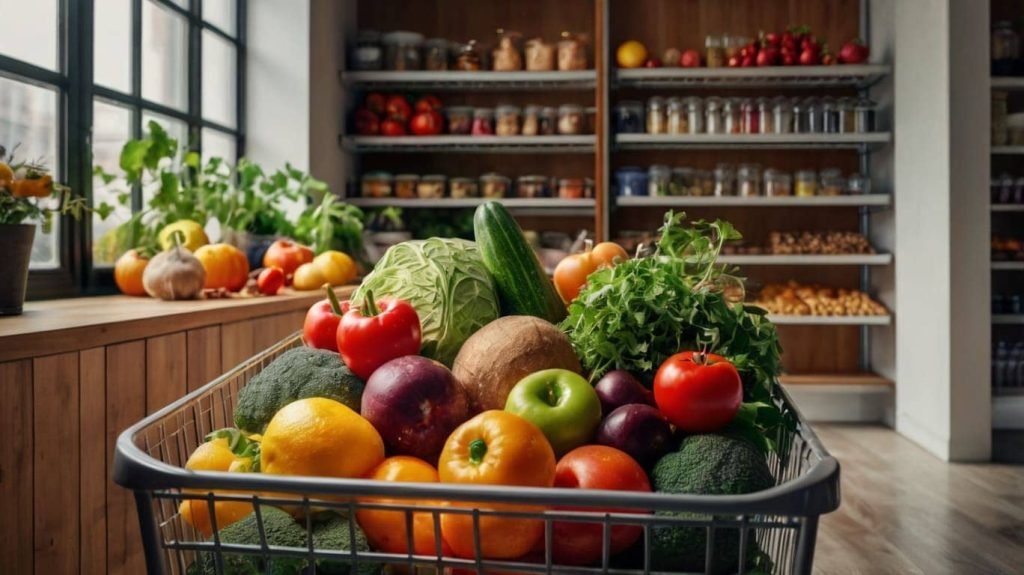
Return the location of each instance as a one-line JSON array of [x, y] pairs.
[[769, 531]]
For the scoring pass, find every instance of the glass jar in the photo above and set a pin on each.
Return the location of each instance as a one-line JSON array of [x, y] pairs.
[[782, 115], [777, 183], [463, 188], [705, 182], [714, 52], [658, 178], [732, 117], [695, 115], [531, 121], [1000, 118], [832, 182], [469, 58], [405, 186], [858, 184], [1005, 49], [402, 50], [733, 45], [713, 116], [844, 109], [506, 122], [570, 119], [435, 54], [572, 52], [764, 117], [540, 55], [725, 180], [681, 182], [656, 121], [678, 119], [631, 181], [751, 117], [494, 185], [483, 122], [532, 187], [811, 116], [588, 187], [376, 185], [367, 54], [548, 125], [830, 116], [571, 188], [864, 116], [629, 117], [431, 187], [748, 180], [460, 120], [507, 56], [806, 184]]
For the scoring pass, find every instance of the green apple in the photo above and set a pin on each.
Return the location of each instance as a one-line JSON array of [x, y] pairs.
[[561, 403]]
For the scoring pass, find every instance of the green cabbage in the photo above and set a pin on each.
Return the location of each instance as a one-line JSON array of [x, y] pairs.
[[446, 281]]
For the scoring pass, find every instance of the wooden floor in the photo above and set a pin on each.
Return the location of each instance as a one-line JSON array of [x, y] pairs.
[[904, 511]]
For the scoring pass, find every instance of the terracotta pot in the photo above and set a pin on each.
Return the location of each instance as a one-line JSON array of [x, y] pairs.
[[17, 242]]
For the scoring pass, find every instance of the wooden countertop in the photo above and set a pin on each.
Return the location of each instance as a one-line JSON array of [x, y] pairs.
[[57, 326]]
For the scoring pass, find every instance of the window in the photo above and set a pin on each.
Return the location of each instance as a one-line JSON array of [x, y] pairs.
[[176, 62]]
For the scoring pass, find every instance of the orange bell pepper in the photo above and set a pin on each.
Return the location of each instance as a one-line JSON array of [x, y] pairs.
[[495, 448], [40, 187]]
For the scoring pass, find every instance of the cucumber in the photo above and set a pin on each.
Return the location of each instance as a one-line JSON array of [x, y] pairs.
[[523, 287]]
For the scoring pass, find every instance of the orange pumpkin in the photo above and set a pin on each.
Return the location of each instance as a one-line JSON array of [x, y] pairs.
[[40, 187], [128, 273], [226, 266], [287, 255], [571, 273]]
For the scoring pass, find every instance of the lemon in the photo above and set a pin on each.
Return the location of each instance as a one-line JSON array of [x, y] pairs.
[[195, 236], [337, 268], [212, 456], [631, 54]]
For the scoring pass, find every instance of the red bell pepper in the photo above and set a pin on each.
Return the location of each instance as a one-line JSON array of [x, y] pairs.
[[320, 330], [379, 332]]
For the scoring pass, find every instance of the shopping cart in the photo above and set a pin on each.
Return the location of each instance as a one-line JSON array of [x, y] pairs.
[[770, 531]]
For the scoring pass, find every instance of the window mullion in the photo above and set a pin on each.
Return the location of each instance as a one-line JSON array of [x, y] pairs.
[[195, 80], [77, 138], [240, 72]]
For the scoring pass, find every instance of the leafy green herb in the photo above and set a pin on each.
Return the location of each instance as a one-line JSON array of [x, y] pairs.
[[332, 225], [239, 444]]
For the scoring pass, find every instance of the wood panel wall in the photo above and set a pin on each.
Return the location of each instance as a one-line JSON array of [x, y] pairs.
[[60, 416]]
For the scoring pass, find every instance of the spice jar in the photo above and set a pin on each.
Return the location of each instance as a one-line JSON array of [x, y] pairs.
[[469, 58], [540, 55], [782, 115], [570, 188], [658, 178], [748, 180], [764, 117], [681, 182], [629, 117], [506, 121], [463, 188], [844, 109], [405, 186], [725, 180], [376, 185], [705, 180], [714, 52], [858, 184], [548, 124], [494, 185], [431, 187], [733, 45], [831, 118], [435, 54], [532, 187], [402, 50], [864, 116], [678, 120], [572, 52], [806, 183], [367, 54], [460, 120], [631, 181], [713, 116], [1005, 49], [810, 117], [1000, 118], [531, 121], [751, 118], [588, 187], [695, 115], [570, 119], [656, 121], [483, 122], [506, 57], [832, 182], [732, 117], [777, 183]]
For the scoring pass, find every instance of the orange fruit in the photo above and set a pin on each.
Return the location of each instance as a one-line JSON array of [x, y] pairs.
[[6, 175], [212, 456], [386, 530], [128, 273], [631, 54]]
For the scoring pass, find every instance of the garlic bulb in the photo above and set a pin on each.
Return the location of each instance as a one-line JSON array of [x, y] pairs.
[[174, 274]]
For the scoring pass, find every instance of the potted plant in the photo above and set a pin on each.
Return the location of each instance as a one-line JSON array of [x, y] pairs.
[[28, 196]]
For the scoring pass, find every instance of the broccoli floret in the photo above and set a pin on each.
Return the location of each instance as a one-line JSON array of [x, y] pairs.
[[332, 531], [706, 465], [280, 528], [299, 373]]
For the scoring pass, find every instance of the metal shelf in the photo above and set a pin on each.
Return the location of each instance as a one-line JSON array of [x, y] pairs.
[[1011, 83], [830, 320], [754, 202], [1007, 150], [452, 80], [752, 141], [872, 380], [807, 260], [470, 144], [1008, 266], [1008, 207], [559, 204], [856, 75], [1008, 319]]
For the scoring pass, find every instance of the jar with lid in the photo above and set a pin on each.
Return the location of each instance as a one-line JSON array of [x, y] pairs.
[[631, 181], [483, 122], [658, 178], [806, 183], [748, 180], [507, 56], [733, 45], [435, 54], [469, 58], [460, 119], [832, 182], [810, 116], [588, 187], [725, 180], [681, 182], [463, 188], [751, 116], [548, 122], [694, 115], [678, 120], [506, 120], [713, 116], [402, 50], [572, 52], [405, 186], [1000, 118], [629, 117], [858, 184], [830, 116], [764, 117], [540, 55], [377, 185], [431, 187], [494, 185], [864, 116], [1018, 192], [714, 52], [570, 188], [532, 187], [570, 119], [656, 121], [367, 54], [706, 182], [844, 109], [732, 116], [531, 121], [1001, 189], [1005, 49], [782, 115], [777, 183]]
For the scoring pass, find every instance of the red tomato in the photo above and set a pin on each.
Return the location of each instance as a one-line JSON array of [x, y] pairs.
[[270, 281], [853, 52], [428, 104], [652, 63], [426, 124], [375, 101], [391, 127], [397, 108], [595, 467], [809, 57], [789, 58], [768, 56], [698, 392], [366, 122]]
